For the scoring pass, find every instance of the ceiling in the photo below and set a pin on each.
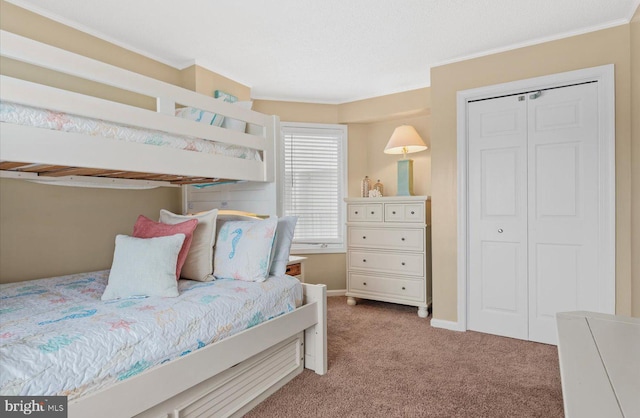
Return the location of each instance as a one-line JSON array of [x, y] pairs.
[[329, 51]]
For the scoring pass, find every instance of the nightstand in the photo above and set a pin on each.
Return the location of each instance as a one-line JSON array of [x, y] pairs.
[[295, 267]]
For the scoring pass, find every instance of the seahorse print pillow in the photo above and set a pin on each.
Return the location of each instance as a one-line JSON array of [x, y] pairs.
[[243, 250]]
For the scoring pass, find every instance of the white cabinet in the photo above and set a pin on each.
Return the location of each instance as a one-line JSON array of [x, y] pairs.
[[388, 255]]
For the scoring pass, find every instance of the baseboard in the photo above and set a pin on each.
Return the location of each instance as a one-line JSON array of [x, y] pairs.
[[339, 292], [450, 325]]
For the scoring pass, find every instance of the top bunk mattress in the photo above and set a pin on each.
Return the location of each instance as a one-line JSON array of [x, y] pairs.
[[58, 338], [42, 118]]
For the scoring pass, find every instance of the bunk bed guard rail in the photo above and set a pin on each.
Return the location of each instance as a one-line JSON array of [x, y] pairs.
[[30, 152]]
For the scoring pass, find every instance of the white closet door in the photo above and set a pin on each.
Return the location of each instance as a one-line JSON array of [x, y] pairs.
[[563, 206], [498, 217]]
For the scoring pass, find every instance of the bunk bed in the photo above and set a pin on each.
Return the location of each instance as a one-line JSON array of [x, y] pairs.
[[227, 377], [31, 152]]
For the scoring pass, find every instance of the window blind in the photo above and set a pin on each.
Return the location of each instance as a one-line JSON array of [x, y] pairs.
[[314, 182]]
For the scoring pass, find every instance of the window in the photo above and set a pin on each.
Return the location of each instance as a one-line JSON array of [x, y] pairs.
[[314, 184]]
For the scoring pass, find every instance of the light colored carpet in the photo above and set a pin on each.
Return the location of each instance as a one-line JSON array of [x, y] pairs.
[[385, 361]]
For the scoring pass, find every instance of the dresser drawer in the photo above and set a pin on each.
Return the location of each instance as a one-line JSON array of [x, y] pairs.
[[371, 212], [387, 238], [404, 212], [395, 263], [384, 286]]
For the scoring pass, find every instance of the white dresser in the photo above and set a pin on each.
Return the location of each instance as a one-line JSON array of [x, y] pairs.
[[388, 253]]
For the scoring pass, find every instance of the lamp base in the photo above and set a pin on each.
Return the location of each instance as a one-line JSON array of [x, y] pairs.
[[405, 178]]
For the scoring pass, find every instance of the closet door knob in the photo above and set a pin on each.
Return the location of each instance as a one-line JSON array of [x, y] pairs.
[[500, 231]]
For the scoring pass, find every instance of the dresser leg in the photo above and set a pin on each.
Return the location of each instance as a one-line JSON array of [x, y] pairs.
[[423, 312], [351, 301]]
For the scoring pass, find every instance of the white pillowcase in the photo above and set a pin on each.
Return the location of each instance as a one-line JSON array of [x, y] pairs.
[[243, 250], [198, 115], [144, 267], [282, 245], [199, 262], [235, 124]]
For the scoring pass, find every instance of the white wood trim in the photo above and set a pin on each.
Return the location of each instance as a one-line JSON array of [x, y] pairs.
[[186, 372], [450, 325], [338, 292], [606, 106]]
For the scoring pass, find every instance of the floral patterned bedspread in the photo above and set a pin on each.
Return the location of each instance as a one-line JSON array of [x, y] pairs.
[[42, 118], [58, 338]]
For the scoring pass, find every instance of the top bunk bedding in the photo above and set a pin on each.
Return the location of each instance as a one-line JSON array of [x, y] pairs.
[[48, 119], [71, 343], [53, 134]]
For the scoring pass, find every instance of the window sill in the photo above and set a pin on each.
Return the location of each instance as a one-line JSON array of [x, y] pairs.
[[317, 249]]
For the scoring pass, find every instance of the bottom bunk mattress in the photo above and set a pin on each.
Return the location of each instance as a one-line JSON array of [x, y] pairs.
[[58, 338]]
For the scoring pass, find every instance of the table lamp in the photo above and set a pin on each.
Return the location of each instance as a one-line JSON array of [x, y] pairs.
[[405, 140]]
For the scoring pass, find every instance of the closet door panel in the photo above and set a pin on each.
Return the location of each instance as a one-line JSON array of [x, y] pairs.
[[563, 206], [497, 301]]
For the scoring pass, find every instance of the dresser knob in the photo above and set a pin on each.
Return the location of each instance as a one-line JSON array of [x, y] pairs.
[[372, 212], [364, 260], [394, 212], [364, 237], [403, 288], [403, 263], [356, 212], [364, 283], [403, 238], [413, 213]]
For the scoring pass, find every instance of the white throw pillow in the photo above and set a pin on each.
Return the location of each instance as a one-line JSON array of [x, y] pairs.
[[199, 115], [243, 250], [199, 262], [144, 267], [282, 245], [235, 124]]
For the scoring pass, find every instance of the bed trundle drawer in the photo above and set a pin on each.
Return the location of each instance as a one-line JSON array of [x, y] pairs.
[[371, 286], [238, 389]]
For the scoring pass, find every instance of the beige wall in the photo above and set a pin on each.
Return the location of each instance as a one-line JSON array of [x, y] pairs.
[[588, 50], [207, 82], [635, 161], [54, 230]]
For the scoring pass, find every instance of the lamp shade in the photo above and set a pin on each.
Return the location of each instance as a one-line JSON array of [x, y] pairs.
[[405, 140]]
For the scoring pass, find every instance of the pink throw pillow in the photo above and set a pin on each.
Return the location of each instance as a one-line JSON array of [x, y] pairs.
[[146, 228]]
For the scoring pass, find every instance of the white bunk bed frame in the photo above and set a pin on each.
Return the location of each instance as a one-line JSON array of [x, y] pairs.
[[70, 152], [225, 378]]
